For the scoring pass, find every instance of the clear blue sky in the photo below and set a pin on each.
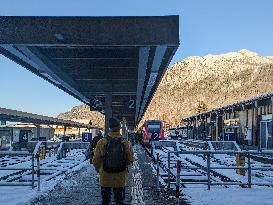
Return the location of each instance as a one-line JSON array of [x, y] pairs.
[[206, 26]]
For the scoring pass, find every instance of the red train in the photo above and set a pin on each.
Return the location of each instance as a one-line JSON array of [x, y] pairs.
[[152, 130]]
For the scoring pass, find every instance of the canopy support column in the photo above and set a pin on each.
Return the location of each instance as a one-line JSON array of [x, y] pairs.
[[108, 111], [64, 130], [38, 127]]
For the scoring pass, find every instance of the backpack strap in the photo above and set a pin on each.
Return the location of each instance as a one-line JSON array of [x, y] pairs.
[[122, 141], [107, 139]]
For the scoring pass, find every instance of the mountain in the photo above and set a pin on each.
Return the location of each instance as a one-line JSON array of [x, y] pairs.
[[216, 80], [83, 114]]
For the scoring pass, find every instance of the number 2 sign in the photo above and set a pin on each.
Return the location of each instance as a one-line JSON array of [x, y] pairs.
[[131, 104]]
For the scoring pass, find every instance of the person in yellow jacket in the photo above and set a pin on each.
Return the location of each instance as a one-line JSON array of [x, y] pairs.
[[113, 178]]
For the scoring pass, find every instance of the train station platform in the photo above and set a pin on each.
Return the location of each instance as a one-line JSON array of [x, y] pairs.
[[82, 187]]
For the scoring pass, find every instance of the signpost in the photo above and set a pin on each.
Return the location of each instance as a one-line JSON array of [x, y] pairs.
[[87, 137], [229, 136], [23, 135]]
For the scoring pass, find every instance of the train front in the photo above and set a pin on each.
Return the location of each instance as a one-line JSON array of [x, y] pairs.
[[152, 131]]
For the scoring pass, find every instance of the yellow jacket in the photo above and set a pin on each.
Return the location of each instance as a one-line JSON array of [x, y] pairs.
[[112, 179]]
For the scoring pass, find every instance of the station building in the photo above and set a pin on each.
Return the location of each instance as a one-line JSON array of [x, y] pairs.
[[247, 122]]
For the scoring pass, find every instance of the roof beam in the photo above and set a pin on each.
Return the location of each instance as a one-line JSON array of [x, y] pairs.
[[108, 79], [142, 68], [96, 31], [122, 87], [94, 58], [159, 54]]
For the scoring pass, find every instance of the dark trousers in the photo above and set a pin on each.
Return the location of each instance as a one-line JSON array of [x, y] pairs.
[[119, 195]]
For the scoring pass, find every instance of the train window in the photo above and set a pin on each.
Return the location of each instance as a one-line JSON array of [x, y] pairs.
[[154, 126]]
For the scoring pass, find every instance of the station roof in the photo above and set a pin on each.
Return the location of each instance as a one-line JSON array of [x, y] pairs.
[[91, 57], [256, 102], [18, 116]]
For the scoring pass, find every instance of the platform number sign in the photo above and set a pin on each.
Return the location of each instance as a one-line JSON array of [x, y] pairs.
[[23, 136], [154, 135], [87, 137], [131, 104]]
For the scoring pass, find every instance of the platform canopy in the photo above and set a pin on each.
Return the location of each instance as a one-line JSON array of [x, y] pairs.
[[18, 116], [114, 64]]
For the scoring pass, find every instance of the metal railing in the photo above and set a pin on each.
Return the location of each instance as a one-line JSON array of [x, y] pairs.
[[162, 144], [200, 144], [223, 145], [31, 168], [60, 149], [209, 168], [35, 156]]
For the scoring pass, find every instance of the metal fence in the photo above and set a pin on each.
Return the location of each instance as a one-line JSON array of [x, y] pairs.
[[38, 152], [208, 168], [31, 168], [35, 169]]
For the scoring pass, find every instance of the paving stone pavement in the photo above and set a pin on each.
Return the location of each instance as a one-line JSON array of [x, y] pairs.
[[82, 188]]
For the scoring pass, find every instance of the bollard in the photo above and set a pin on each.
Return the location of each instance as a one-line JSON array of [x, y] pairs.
[[248, 171], [240, 161], [42, 152], [177, 188], [169, 170], [157, 169]]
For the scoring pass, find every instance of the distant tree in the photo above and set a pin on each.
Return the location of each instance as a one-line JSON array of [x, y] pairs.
[[164, 117], [201, 107]]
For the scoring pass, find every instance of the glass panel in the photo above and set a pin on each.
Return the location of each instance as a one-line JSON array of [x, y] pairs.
[[153, 126]]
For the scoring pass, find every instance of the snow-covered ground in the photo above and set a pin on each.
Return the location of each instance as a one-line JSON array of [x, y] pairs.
[[198, 193], [228, 196], [74, 160]]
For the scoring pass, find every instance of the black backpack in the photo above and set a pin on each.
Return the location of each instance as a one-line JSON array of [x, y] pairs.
[[114, 156]]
